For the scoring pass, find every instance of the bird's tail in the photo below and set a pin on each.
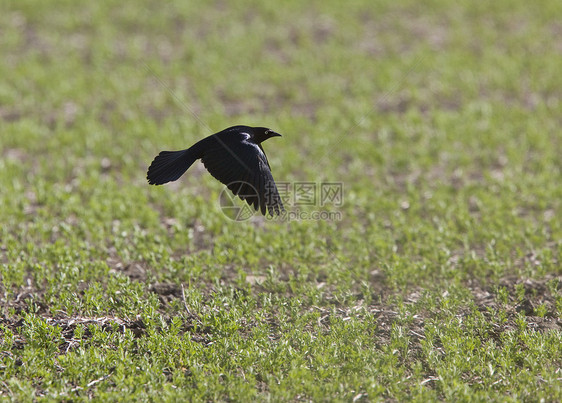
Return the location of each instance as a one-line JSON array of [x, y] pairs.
[[169, 166]]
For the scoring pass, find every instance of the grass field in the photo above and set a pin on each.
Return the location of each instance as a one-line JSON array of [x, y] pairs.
[[437, 279]]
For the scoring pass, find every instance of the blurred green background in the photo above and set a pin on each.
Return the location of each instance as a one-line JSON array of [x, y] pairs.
[[441, 280]]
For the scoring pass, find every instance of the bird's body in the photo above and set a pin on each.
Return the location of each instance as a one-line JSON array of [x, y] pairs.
[[235, 157]]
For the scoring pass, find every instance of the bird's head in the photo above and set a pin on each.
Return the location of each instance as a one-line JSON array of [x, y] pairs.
[[260, 134]]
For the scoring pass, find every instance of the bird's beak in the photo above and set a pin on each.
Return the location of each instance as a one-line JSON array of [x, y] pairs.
[[271, 133]]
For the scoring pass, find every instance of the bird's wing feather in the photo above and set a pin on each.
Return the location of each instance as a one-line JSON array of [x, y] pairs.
[[265, 156], [245, 163]]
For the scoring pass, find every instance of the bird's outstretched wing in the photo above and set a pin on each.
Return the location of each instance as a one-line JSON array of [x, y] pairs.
[[245, 171]]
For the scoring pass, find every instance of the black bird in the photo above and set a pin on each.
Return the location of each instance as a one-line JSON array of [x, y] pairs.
[[235, 157]]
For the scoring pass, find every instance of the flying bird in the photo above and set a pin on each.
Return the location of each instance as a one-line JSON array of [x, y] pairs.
[[235, 157]]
